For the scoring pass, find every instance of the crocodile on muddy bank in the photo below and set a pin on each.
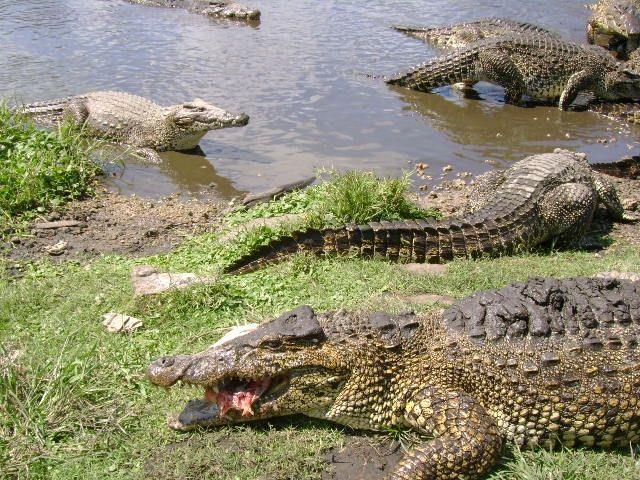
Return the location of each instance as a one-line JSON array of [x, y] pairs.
[[222, 9], [536, 363], [132, 120], [541, 67], [542, 198]]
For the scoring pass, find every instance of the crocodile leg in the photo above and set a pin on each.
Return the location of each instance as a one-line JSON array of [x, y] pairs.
[[609, 197], [577, 82], [484, 188], [467, 441], [567, 211], [498, 68]]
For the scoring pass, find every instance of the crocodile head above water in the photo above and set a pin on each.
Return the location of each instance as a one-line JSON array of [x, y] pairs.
[[284, 366], [194, 119], [623, 83], [615, 25]]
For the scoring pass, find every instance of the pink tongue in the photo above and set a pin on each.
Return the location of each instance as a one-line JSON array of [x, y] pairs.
[[241, 400]]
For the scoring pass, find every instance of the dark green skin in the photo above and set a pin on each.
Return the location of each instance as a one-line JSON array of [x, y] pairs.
[[541, 67], [541, 198], [534, 363]]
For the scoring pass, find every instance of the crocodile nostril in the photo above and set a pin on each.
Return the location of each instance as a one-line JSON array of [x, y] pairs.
[[166, 362]]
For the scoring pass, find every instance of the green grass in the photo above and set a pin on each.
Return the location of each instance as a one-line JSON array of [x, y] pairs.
[[41, 170], [74, 401], [350, 197]]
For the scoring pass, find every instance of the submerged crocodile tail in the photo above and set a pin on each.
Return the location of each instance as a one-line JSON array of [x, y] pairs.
[[50, 111], [417, 241], [458, 66]]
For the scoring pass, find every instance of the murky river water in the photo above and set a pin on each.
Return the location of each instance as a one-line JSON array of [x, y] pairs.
[[301, 75]]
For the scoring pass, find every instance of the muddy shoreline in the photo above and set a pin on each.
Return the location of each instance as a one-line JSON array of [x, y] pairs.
[[112, 223]]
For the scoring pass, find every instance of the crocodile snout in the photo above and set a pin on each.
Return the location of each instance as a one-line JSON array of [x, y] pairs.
[[241, 120], [166, 371]]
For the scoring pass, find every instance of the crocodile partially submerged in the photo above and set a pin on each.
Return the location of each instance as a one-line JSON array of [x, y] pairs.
[[539, 199], [132, 120], [224, 9], [615, 25], [534, 363], [542, 67], [462, 34]]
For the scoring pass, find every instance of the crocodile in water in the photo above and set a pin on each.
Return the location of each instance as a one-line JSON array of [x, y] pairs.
[[533, 363], [543, 197], [230, 10], [540, 66], [462, 34], [133, 120]]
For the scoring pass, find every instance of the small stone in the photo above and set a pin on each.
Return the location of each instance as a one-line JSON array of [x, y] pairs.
[[56, 249], [146, 280], [118, 323], [447, 168], [425, 268]]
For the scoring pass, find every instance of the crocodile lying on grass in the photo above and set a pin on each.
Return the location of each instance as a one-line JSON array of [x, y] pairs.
[[541, 198], [531, 363], [540, 66], [462, 34], [224, 9], [615, 25], [132, 120]]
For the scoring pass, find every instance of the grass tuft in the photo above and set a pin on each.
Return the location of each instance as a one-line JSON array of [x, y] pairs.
[[41, 170], [350, 197]]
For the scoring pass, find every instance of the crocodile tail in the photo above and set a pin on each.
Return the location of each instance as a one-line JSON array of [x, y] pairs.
[[423, 32], [417, 241], [312, 241], [53, 107], [455, 67]]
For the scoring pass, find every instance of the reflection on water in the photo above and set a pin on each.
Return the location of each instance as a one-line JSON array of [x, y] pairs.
[[189, 173], [300, 75]]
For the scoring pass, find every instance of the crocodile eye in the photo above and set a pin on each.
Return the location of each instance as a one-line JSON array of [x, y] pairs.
[[271, 343]]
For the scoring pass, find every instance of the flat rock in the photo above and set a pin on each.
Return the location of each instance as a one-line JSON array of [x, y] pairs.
[[633, 277], [57, 248], [119, 323], [147, 280], [58, 224], [425, 268]]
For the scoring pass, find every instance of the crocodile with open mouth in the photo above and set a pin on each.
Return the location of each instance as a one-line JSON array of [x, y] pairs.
[[536, 363]]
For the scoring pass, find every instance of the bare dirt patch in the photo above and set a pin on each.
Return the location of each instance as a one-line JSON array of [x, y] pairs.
[[362, 458], [114, 223]]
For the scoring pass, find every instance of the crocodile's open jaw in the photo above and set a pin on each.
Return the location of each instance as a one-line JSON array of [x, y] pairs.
[[238, 395]]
